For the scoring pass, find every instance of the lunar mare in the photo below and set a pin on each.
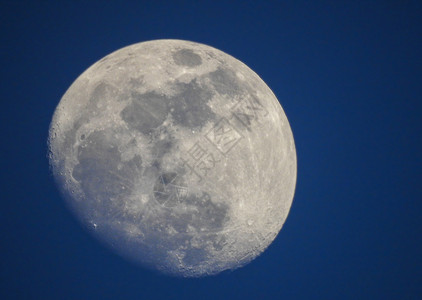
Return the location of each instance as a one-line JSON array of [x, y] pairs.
[[176, 155]]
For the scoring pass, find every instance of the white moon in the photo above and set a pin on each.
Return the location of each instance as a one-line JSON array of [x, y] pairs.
[[176, 155]]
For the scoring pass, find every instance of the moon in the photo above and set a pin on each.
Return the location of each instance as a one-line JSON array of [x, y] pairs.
[[175, 155]]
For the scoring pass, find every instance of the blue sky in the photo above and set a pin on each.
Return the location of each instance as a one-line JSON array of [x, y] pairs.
[[348, 75]]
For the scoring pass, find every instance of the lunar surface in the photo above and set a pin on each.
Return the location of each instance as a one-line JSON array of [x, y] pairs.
[[176, 155]]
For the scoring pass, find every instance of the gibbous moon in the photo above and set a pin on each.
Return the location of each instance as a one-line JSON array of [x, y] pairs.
[[176, 155]]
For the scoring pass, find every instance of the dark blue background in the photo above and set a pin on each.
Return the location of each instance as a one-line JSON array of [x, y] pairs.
[[348, 74]]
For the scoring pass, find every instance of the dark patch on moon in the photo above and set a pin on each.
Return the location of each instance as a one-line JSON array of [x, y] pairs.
[[195, 256], [189, 107], [162, 142], [218, 242], [97, 95], [102, 175], [102, 92], [225, 82], [186, 57], [145, 112], [162, 147]]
